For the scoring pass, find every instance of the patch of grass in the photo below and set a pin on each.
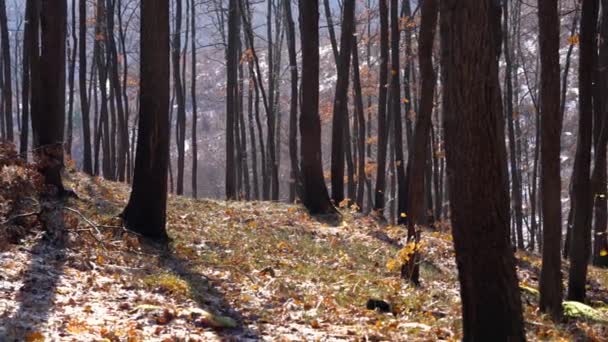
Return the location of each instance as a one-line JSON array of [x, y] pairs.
[[167, 283]]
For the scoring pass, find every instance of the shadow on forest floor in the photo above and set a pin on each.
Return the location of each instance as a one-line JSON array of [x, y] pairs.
[[36, 296]]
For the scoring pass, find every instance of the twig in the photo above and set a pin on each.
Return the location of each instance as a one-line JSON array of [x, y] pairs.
[[12, 218], [91, 223]]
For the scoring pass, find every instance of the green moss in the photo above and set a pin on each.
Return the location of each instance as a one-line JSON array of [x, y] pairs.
[[582, 311]]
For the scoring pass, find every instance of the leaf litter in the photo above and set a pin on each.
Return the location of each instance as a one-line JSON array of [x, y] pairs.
[[243, 271]]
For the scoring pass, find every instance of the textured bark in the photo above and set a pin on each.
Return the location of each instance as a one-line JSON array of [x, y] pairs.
[[340, 117], [476, 151], [48, 117], [146, 211], [314, 191], [551, 124], [580, 246]]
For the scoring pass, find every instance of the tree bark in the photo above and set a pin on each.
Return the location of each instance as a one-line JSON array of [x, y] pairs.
[[7, 89], [479, 196], [580, 247], [419, 152], [294, 178], [49, 116], [599, 177], [382, 97], [340, 117], [314, 191], [146, 211], [231, 69], [551, 125]]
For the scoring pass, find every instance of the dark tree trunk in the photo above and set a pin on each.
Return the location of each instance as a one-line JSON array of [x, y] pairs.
[[479, 196], [232, 75], [314, 191], [599, 177], [551, 125], [382, 95], [82, 82], [49, 116], [254, 154], [146, 211], [180, 98], [7, 89], [294, 178], [580, 246], [340, 117], [419, 151], [359, 111], [193, 73]]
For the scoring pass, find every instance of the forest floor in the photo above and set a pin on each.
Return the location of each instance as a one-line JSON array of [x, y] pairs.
[[240, 271]]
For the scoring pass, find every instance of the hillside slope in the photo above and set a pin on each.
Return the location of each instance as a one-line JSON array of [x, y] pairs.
[[234, 270]]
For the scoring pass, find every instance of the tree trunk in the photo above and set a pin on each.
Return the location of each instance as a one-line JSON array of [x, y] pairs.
[[82, 82], [193, 73], [551, 125], [71, 75], [415, 200], [49, 116], [314, 191], [382, 95], [580, 246], [359, 111], [340, 117], [7, 89], [294, 178], [395, 108], [180, 98], [599, 177], [231, 69], [479, 195], [146, 211]]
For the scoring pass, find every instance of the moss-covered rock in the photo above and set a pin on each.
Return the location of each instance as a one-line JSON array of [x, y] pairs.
[[579, 310]]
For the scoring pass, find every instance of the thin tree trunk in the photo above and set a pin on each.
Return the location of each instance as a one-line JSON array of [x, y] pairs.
[[7, 89], [294, 178], [580, 247], [193, 96], [420, 150], [382, 95], [340, 109]]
